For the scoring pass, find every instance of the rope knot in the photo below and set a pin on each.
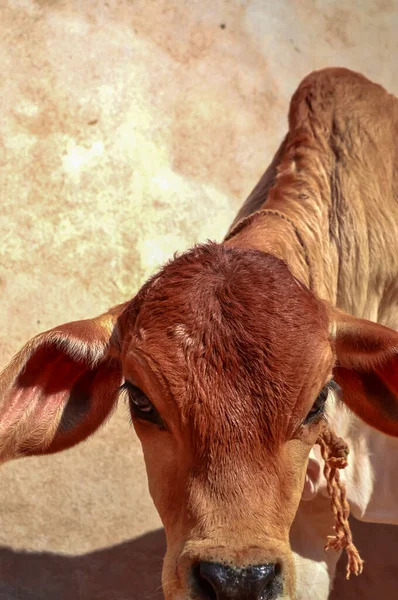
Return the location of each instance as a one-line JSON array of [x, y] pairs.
[[337, 462]]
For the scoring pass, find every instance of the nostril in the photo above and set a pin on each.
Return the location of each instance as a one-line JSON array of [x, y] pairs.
[[272, 583], [202, 584], [217, 581]]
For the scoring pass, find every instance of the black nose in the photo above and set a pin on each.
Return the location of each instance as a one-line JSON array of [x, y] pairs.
[[215, 581]]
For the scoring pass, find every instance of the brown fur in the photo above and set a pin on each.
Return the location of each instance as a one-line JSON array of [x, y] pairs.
[[237, 352]]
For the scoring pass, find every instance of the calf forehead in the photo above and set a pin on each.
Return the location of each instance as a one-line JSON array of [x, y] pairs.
[[235, 336]]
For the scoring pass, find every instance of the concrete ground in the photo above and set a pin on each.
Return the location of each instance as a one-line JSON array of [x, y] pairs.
[[130, 129]]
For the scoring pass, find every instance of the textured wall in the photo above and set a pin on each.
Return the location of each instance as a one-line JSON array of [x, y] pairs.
[[130, 129]]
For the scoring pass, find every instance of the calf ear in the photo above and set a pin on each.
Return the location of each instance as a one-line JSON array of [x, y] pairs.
[[60, 387], [367, 370]]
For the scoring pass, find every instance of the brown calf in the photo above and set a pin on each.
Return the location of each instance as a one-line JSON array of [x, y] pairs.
[[231, 355]]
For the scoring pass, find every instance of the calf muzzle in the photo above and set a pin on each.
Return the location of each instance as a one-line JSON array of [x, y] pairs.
[[217, 581]]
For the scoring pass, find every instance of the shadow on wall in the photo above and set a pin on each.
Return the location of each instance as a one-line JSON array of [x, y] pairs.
[[129, 571]]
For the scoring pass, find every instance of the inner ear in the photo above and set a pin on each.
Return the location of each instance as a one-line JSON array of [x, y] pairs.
[[367, 369], [51, 370], [358, 386], [78, 405], [50, 373], [60, 387]]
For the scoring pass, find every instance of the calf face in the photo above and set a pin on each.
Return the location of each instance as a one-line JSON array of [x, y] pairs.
[[226, 361]]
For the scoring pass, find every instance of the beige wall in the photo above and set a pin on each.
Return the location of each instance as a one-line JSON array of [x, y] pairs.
[[130, 129]]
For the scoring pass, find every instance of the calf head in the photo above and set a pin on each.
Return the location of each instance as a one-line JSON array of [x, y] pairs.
[[226, 361]]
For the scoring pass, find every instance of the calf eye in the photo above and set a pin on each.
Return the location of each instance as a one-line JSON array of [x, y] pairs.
[[140, 405], [318, 407]]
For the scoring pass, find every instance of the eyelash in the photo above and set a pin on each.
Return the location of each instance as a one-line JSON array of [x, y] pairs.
[[321, 399], [151, 415]]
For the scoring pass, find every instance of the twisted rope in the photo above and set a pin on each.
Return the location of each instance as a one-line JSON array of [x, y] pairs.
[[335, 452]]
